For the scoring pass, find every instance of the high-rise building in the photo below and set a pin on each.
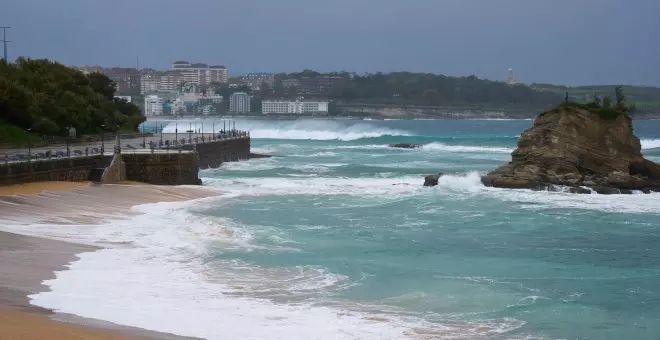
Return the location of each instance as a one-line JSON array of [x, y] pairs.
[[149, 83], [153, 105], [239, 102], [201, 74]]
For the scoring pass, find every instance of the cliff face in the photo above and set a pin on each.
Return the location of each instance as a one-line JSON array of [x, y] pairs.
[[574, 147]]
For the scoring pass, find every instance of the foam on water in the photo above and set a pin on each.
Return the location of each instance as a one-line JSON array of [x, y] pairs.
[[303, 129], [465, 148], [650, 143], [162, 282], [471, 184], [318, 186]]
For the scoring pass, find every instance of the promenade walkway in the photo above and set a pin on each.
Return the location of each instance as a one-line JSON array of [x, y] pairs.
[[158, 143]]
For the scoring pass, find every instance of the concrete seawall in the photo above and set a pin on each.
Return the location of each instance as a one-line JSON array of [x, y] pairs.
[[165, 167], [74, 169], [213, 154]]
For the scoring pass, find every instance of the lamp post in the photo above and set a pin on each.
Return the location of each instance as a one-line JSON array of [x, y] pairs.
[[213, 129], [102, 139], [176, 133], [29, 146], [202, 131], [161, 134], [190, 132]]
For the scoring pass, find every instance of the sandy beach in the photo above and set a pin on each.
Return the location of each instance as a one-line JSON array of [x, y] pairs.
[[26, 261]]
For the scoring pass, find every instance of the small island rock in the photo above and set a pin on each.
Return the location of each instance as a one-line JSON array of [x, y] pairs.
[[575, 147]]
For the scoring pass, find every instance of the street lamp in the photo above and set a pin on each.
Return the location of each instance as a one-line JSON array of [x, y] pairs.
[[161, 134], [29, 145], [102, 138]]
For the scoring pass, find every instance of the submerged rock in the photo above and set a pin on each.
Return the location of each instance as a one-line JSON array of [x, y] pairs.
[[406, 145], [432, 180], [573, 147]]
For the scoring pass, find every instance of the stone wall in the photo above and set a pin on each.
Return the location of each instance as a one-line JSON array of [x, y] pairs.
[[213, 154], [163, 168], [75, 169]]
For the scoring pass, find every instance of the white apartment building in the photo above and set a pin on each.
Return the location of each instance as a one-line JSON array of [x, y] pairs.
[[201, 74], [239, 102], [294, 107], [153, 105], [126, 98]]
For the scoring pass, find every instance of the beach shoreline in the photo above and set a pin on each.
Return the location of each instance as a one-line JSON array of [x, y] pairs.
[[26, 261]]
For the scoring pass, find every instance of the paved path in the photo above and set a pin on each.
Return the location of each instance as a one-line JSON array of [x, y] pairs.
[[131, 145]]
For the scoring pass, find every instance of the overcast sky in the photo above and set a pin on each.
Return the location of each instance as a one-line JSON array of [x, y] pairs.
[[557, 41]]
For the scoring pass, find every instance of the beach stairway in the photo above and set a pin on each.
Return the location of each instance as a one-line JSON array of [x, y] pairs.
[[113, 173]]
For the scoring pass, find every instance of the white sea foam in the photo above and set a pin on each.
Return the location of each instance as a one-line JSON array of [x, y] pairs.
[[537, 200], [465, 148], [650, 143], [264, 186], [302, 129], [165, 273]]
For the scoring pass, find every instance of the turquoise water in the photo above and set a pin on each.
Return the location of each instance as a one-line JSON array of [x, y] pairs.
[[335, 238], [336, 218]]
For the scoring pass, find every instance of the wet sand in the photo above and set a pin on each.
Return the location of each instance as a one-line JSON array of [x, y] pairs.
[[27, 261]]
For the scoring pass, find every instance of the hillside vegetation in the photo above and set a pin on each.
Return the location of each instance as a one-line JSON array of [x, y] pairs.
[[47, 98]]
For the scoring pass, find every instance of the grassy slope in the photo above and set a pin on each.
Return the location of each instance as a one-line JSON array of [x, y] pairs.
[[14, 136]]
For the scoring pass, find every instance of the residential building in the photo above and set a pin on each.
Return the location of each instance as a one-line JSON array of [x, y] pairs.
[[239, 102], [171, 80], [298, 107], [201, 74], [126, 98], [127, 80], [256, 80], [153, 105], [89, 69], [313, 85], [149, 83]]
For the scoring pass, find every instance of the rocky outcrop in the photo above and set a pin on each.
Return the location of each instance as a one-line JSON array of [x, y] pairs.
[[406, 145], [573, 147], [432, 180]]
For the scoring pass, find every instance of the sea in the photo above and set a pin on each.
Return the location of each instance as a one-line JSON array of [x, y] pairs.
[[334, 237]]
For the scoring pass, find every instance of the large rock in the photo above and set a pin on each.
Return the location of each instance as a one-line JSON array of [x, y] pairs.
[[577, 148], [406, 145], [432, 180]]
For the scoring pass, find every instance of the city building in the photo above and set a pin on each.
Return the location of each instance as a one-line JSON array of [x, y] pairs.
[[89, 69], [201, 74], [126, 98], [127, 80], [239, 102], [149, 83], [153, 105], [171, 80], [298, 107], [313, 86], [256, 80]]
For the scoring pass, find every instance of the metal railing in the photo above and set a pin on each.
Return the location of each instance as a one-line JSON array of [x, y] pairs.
[[180, 141]]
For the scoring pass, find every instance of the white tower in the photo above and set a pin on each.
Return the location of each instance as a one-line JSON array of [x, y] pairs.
[[510, 78]]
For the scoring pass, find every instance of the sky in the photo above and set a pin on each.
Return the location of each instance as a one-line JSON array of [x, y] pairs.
[[569, 42]]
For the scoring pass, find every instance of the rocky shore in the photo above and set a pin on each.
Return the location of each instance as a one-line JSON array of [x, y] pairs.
[[574, 147]]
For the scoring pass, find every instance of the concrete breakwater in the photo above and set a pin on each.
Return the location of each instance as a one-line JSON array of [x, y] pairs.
[[165, 166]]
